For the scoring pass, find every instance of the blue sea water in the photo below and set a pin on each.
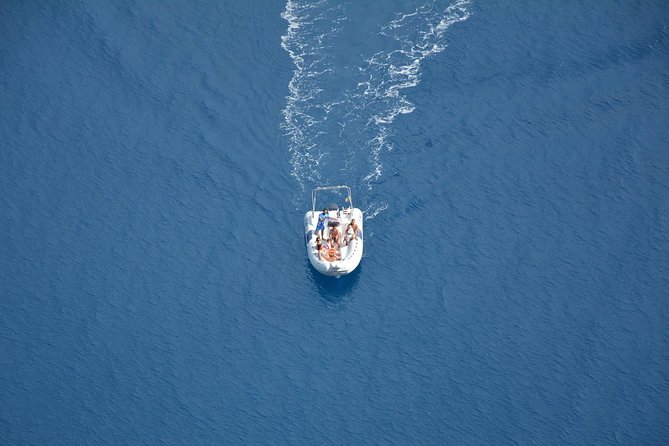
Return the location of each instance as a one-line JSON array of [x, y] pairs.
[[156, 160]]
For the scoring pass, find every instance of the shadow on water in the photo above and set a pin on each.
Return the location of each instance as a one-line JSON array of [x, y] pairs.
[[332, 289]]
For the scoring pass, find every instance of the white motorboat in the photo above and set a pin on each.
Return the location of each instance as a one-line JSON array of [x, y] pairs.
[[334, 259]]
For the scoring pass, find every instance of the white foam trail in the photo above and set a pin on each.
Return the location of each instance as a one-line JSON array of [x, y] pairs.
[[420, 34], [374, 209], [306, 41], [338, 133]]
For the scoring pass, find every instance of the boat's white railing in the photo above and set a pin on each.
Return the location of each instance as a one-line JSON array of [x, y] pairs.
[[323, 188]]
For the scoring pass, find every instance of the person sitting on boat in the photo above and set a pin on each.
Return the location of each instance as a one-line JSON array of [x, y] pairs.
[[320, 248], [352, 231], [335, 236], [322, 217]]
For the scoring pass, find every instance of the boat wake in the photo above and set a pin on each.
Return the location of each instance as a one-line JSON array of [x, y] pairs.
[[374, 209], [339, 113]]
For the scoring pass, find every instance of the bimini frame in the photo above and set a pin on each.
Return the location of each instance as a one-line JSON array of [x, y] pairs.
[[323, 188]]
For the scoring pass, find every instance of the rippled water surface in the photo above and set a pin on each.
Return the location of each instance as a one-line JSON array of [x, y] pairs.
[[512, 159]]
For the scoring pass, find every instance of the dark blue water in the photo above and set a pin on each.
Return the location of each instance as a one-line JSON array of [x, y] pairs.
[[156, 160]]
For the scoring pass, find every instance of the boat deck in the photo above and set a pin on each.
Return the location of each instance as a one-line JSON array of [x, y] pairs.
[[343, 217]]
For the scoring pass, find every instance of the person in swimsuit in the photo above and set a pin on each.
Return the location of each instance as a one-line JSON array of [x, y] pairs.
[[326, 252], [351, 232], [320, 249], [332, 254], [335, 236], [322, 217]]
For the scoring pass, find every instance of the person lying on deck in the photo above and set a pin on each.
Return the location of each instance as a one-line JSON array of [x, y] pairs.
[[326, 251]]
